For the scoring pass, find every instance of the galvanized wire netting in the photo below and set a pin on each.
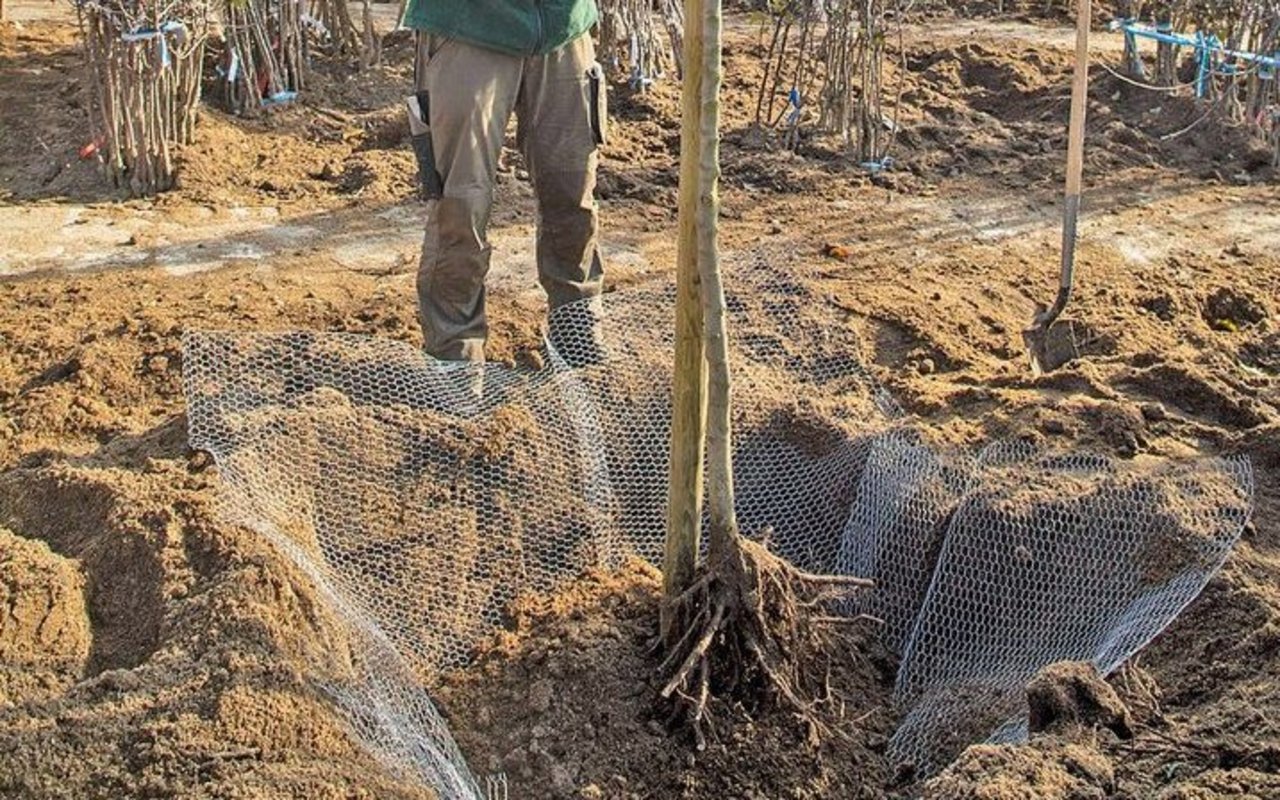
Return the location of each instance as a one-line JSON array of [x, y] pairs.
[[1048, 558], [422, 498]]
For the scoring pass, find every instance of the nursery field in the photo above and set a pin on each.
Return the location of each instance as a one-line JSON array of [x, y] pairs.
[[150, 647]]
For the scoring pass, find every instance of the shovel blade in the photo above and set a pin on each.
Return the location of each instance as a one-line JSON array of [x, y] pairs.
[[1049, 348]]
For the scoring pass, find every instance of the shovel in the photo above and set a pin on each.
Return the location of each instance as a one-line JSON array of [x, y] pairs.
[[1049, 345]]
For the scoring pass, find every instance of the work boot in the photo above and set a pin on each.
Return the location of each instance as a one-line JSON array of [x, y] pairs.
[[574, 334], [457, 387]]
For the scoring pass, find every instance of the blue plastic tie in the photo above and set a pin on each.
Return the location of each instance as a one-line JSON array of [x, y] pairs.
[[161, 33], [1206, 47], [793, 99], [279, 98]]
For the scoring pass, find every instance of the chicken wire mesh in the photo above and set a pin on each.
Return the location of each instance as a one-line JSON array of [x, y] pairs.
[[1054, 558], [423, 497]]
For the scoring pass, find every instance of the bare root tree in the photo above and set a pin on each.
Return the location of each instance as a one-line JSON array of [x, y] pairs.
[[269, 43], [144, 64], [839, 49], [871, 138], [642, 37], [265, 53], [744, 624], [789, 66], [1244, 92], [334, 32]]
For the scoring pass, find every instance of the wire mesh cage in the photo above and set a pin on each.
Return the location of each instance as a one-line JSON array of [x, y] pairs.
[[426, 497]]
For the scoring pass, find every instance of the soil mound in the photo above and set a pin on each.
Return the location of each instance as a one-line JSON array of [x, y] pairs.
[[160, 654], [44, 629], [1054, 769], [564, 705]]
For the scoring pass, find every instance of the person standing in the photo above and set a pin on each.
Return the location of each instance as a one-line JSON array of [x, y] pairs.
[[479, 61]]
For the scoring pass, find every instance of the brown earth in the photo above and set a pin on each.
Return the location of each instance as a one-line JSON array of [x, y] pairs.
[[564, 704], [44, 634], [173, 661]]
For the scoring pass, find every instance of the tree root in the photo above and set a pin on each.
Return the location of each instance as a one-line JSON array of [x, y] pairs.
[[756, 630]]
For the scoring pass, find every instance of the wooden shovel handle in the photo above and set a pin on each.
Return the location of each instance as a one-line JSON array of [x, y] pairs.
[[1079, 100], [1075, 156]]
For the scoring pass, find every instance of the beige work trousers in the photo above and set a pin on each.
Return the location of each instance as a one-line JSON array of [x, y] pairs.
[[472, 93]]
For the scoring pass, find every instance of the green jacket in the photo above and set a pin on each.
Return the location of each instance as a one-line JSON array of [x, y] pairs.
[[519, 27]]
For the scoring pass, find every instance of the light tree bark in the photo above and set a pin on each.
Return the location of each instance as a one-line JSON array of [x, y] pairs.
[[748, 625], [719, 467], [689, 409]]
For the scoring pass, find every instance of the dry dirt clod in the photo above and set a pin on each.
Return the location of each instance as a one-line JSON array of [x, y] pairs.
[[540, 696], [1154, 412], [1071, 695]]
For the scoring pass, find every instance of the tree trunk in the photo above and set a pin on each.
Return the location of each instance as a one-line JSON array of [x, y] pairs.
[[689, 408], [1132, 58], [747, 625], [1166, 53], [724, 523]]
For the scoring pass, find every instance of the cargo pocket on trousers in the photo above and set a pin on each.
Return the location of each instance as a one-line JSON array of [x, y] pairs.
[[426, 47], [599, 104]]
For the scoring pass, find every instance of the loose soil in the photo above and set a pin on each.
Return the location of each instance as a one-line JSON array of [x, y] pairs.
[[564, 704], [150, 649]]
